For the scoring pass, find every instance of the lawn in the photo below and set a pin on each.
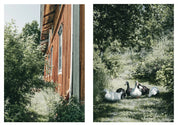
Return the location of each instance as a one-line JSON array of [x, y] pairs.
[[141, 109]]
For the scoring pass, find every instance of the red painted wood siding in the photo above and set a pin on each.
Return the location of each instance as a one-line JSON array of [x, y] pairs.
[[63, 17], [82, 53], [63, 79]]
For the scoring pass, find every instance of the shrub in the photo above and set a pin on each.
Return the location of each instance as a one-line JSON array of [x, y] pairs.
[[19, 113], [155, 62], [23, 67], [100, 79], [23, 64], [100, 83], [67, 111], [166, 74]]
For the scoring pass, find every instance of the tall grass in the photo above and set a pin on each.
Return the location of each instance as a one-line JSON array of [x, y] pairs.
[[49, 106], [43, 103], [45, 106], [100, 83]]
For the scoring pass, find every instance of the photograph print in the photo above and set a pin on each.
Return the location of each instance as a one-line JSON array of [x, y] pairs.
[[133, 62], [44, 63]]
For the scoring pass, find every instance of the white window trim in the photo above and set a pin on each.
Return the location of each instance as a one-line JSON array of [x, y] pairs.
[[60, 33], [51, 61], [48, 65], [49, 38]]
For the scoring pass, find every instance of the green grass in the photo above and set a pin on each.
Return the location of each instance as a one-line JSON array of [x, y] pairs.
[[48, 106], [141, 109]]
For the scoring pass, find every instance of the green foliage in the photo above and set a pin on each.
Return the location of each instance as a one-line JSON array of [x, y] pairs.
[[100, 77], [43, 103], [23, 71], [166, 74], [111, 59], [100, 83], [157, 65], [23, 68], [68, 111], [122, 27], [31, 29], [19, 113], [98, 64], [23, 65], [133, 41], [134, 25]]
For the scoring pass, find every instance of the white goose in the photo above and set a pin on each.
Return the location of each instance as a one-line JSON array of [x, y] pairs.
[[112, 96], [136, 92], [153, 91]]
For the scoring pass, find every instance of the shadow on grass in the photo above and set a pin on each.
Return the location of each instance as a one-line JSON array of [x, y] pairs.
[[129, 97], [108, 110], [159, 108], [137, 116], [167, 102]]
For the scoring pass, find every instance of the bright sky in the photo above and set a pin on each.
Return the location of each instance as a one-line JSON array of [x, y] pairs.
[[22, 14]]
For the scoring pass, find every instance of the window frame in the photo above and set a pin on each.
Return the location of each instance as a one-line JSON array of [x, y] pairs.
[[51, 61], [48, 65], [60, 34]]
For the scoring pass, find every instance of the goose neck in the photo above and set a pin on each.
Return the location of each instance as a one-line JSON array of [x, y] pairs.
[[128, 86]]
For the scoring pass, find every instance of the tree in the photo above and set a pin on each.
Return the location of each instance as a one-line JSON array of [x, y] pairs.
[[135, 27], [31, 29], [23, 68]]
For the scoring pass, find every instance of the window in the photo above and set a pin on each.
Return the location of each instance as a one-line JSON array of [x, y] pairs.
[[60, 50], [51, 59], [52, 30], [49, 38], [46, 68], [48, 64]]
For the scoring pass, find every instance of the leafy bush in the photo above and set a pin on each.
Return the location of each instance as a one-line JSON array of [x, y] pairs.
[[23, 65], [19, 113], [166, 74], [68, 111], [154, 62], [35, 106], [100, 83], [99, 76], [23, 69]]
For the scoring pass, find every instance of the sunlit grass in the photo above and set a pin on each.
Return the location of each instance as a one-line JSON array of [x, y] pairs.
[[43, 103]]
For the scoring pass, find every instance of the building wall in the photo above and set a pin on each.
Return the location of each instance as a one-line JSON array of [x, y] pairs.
[[62, 17], [82, 53]]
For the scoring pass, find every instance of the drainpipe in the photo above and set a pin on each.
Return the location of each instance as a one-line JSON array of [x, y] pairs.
[[71, 49], [76, 52]]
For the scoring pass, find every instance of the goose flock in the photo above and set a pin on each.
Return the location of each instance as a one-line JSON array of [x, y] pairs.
[[136, 92]]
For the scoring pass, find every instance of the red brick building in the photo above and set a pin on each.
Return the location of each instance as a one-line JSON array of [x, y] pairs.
[[63, 36]]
